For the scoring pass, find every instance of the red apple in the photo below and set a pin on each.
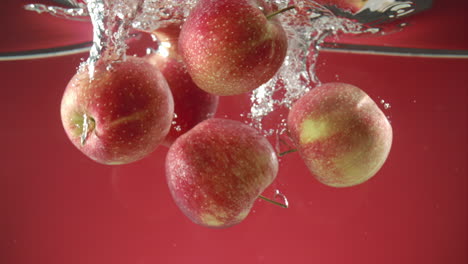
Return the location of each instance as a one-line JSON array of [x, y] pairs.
[[232, 47], [341, 134], [352, 5], [218, 169], [191, 104], [119, 116]]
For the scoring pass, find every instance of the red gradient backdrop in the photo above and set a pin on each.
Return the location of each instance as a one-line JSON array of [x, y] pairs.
[[60, 207]]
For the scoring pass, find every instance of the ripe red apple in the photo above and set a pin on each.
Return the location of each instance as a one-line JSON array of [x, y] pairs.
[[341, 134], [191, 104], [232, 47], [119, 116], [351, 5], [218, 169]]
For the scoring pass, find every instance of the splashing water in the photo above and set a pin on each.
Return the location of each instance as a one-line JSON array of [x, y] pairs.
[[307, 26], [112, 21]]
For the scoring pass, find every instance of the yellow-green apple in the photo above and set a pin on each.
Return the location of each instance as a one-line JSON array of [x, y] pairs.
[[218, 169], [232, 47], [191, 104], [120, 115], [341, 134]]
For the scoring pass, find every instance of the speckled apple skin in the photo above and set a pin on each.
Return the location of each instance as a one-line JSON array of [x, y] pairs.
[[132, 107], [191, 104], [351, 5], [230, 47], [341, 134], [218, 169]]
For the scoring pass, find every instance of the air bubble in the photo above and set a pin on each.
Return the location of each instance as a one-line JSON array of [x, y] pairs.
[[385, 104], [282, 198]]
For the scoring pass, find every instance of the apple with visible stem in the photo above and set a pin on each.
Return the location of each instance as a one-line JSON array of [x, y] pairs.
[[191, 104], [232, 47], [341, 134], [217, 170], [120, 115]]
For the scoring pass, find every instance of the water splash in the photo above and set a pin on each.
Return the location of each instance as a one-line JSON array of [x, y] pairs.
[[160, 13], [307, 27], [111, 28]]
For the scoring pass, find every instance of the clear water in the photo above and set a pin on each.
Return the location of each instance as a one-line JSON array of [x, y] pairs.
[[307, 26]]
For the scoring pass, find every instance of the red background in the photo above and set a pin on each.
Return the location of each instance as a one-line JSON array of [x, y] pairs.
[[60, 207]]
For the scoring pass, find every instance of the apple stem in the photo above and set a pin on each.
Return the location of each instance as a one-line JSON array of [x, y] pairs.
[[280, 11], [287, 152], [273, 202]]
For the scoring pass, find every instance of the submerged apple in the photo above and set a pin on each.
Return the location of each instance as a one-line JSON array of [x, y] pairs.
[[232, 47], [218, 169], [341, 134], [351, 5], [191, 104], [119, 116]]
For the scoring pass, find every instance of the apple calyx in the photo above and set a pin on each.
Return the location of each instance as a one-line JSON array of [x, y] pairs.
[[88, 126], [280, 11], [283, 205]]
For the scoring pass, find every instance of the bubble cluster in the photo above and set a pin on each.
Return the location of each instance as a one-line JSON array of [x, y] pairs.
[[308, 25]]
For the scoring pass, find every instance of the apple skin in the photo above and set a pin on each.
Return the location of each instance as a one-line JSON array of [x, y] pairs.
[[217, 170], [230, 47], [351, 5], [128, 109], [191, 104], [341, 134]]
